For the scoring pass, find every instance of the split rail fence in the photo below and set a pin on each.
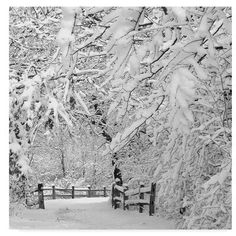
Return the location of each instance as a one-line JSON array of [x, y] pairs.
[[122, 197], [67, 193]]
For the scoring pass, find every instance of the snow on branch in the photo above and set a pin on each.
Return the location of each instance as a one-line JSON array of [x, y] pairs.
[[82, 103], [219, 177], [121, 139]]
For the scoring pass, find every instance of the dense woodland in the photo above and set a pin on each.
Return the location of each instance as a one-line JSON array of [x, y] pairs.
[[141, 94]]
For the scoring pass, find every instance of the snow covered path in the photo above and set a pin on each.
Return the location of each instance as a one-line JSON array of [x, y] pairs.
[[85, 213]]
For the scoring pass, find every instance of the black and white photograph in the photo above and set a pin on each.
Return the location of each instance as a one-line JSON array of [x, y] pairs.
[[120, 117]]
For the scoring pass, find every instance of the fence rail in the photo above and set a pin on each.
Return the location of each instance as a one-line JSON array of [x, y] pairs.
[[122, 197], [69, 193]]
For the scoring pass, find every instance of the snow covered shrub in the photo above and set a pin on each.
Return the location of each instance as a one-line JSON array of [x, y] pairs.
[[16, 209]]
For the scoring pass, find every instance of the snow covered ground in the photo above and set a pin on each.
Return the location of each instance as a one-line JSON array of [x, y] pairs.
[[85, 213]]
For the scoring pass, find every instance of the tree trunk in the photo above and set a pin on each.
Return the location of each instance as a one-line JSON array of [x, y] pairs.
[[106, 135], [117, 172], [63, 164]]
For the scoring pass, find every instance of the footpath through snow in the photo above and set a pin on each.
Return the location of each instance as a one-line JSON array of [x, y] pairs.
[[85, 213]]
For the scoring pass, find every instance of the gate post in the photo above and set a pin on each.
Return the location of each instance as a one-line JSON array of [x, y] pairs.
[[152, 199], [40, 196]]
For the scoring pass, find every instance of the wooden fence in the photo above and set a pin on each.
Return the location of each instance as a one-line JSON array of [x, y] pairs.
[[68, 193], [122, 197]]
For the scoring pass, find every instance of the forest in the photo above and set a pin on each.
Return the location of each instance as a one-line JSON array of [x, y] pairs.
[[139, 94]]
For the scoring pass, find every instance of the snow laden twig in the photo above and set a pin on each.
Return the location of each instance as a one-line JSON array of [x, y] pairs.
[[82, 103], [67, 79], [120, 42], [96, 36]]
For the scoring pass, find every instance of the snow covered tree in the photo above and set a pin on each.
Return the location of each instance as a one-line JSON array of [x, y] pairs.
[[152, 83], [172, 71]]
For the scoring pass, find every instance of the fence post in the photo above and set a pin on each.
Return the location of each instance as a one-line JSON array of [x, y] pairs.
[[104, 191], [73, 192], [125, 197], [116, 193], [53, 192], [141, 197], [89, 192], [152, 199], [112, 194], [40, 196]]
